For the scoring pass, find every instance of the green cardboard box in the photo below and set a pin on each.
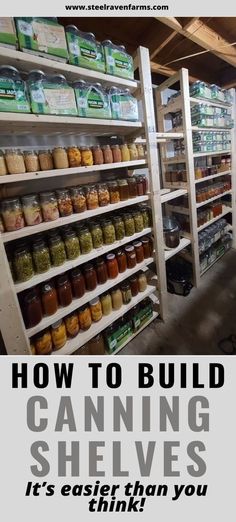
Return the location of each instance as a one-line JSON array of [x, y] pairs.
[[83, 50], [7, 32], [42, 36]]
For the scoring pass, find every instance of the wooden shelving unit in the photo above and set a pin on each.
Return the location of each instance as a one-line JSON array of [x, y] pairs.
[[18, 128], [183, 102]]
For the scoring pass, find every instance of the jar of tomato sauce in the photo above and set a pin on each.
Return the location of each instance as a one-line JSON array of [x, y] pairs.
[[134, 285], [112, 266], [146, 247], [131, 256], [33, 313], [90, 277], [122, 261], [139, 251], [64, 290], [78, 283], [49, 299], [101, 270]]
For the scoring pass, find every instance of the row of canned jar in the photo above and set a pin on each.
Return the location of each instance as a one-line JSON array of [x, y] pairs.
[[212, 189], [33, 209], [14, 161], [211, 235], [73, 242], [81, 320]]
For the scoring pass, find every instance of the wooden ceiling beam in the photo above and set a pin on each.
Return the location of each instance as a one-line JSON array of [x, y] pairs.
[[167, 71], [199, 33], [163, 44]]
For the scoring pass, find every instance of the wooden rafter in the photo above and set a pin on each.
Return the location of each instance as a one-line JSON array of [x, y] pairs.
[[167, 71], [204, 36], [163, 44]]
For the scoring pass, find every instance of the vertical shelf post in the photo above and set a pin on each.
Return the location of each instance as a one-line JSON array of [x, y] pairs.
[[233, 168], [154, 174]]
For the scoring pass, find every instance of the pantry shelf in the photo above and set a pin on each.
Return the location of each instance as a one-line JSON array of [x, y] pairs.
[[88, 296], [154, 316], [213, 176], [45, 125], [199, 101], [68, 265], [203, 154], [26, 62], [209, 266], [203, 203], [57, 173], [224, 213], [74, 218], [173, 194], [179, 209], [184, 242], [174, 160], [83, 337]]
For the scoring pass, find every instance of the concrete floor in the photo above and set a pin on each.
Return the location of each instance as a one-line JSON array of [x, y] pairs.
[[198, 322]]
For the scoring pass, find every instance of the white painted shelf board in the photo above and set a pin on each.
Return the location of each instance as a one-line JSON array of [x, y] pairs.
[[87, 297], [203, 203], [18, 123], [203, 154], [210, 129], [83, 337], [213, 176], [68, 265], [183, 244], [74, 218], [170, 135], [170, 161], [172, 194], [226, 210], [179, 209], [177, 185], [41, 174], [154, 316], [214, 262], [212, 103], [26, 62]]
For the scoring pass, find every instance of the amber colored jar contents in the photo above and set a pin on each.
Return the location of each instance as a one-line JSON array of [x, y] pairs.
[[116, 153], [60, 158], [107, 154], [59, 336], [49, 299], [133, 151], [74, 157], [151, 245], [139, 251], [3, 166], [96, 309], [132, 184], [90, 277], [31, 161], [140, 186], [86, 157], [123, 189], [103, 194], [32, 309], [112, 266], [64, 202], [78, 199], [114, 192], [125, 153], [72, 324], [116, 297], [78, 283], [92, 197], [85, 318], [64, 290], [98, 158], [131, 256], [146, 247], [122, 261], [134, 285], [101, 269], [45, 160], [142, 282], [141, 152], [43, 343]]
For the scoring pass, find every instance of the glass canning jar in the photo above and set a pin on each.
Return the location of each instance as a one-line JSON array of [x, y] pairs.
[[46, 160], [103, 194], [134, 285], [90, 277], [64, 290], [33, 313], [59, 336], [146, 247], [41, 257], [114, 192], [85, 318], [122, 261], [131, 256], [86, 157], [31, 161], [31, 209], [49, 206], [57, 250], [140, 186], [97, 235], [78, 199], [106, 304], [139, 251], [98, 158], [125, 153], [60, 158], [116, 297], [92, 197], [86, 241], [109, 234], [126, 293], [96, 309], [23, 264], [133, 151], [138, 220], [12, 214], [142, 282], [49, 299], [15, 161], [72, 324], [3, 166], [116, 153], [78, 283], [119, 227], [132, 184], [146, 217], [64, 202], [74, 157], [107, 154], [112, 266], [141, 152], [129, 225], [43, 343], [101, 270], [123, 189], [72, 245]]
